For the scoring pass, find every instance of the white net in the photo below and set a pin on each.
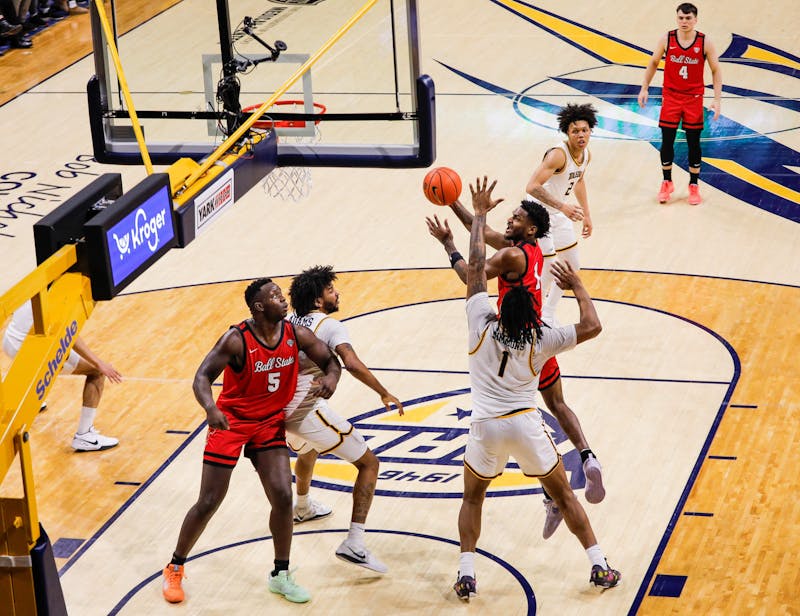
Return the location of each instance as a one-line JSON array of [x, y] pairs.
[[292, 183]]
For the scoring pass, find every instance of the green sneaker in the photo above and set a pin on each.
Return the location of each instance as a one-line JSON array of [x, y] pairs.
[[284, 584]]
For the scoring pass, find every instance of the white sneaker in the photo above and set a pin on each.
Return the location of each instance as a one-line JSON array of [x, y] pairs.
[[361, 557], [93, 441], [553, 517], [313, 511]]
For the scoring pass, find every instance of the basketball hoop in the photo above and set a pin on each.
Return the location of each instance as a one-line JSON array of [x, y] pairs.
[[289, 182]]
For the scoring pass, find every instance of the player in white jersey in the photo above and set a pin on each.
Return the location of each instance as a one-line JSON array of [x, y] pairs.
[[81, 360], [313, 428], [506, 353], [561, 174]]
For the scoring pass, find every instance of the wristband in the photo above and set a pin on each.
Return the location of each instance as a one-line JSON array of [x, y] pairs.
[[455, 257]]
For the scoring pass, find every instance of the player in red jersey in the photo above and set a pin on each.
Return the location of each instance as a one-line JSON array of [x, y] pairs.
[[527, 223], [259, 362], [685, 52]]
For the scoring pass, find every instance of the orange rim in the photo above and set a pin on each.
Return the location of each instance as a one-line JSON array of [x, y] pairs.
[[319, 109]]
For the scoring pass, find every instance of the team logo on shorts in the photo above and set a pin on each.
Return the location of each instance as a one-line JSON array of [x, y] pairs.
[[422, 452]]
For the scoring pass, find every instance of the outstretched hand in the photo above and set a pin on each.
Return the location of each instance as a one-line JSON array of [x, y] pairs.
[[566, 277], [482, 201], [438, 230]]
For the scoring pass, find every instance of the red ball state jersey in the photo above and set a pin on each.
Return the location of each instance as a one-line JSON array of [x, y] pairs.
[[267, 382], [531, 279], [683, 67]]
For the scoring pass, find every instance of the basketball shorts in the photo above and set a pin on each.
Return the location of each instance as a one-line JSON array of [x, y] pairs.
[[522, 436], [561, 236], [325, 431], [11, 349], [223, 447], [549, 374], [679, 106]]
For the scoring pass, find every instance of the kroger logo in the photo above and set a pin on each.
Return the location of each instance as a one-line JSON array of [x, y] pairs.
[[422, 453], [144, 232]]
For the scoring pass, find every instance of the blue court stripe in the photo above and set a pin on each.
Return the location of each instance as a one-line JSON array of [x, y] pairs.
[[743, 406], [668, 586], [178, 432], [701, 514], [127, 483], [721, 457]]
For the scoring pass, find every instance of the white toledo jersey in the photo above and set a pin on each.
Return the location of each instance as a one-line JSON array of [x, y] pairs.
[[331, 332], [504, 376], [562, 182]]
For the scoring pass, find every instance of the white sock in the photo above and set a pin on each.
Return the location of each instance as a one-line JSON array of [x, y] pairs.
[[596, 556], [302, 501], [87, 419], [356, 535], [466, 564]]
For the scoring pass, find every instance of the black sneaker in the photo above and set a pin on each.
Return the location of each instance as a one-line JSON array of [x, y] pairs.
[[7, 30], [465, 588], [605, 578]]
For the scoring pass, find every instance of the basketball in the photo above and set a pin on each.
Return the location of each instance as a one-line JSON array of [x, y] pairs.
[[442, 186]]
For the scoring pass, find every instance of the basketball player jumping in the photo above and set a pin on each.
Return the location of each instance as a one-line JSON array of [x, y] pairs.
[[506, 353]]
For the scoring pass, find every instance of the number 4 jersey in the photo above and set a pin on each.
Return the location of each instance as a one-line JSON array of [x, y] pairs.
[[504, 376], [267, 381]]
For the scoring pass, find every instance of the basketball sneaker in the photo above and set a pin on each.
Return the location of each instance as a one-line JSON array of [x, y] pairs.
[[284, 584], [93, 441], [552, 518], [171, 587], [666, 190], [595, 492], [465, 587], [359, 556], [605, 578], [694, 195], [313, 511]]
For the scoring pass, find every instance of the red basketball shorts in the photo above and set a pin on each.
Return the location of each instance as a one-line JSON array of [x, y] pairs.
[[223, 447], [549, 374], [679, 106]]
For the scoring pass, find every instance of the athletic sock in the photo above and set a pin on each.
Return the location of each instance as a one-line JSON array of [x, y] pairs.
[[667, 174], [694, 178], [356, 535], [280, 565], [87, 419], [466, 564], [302, 501], [546, 495], [596, 556], [177, 560], [585, 454]]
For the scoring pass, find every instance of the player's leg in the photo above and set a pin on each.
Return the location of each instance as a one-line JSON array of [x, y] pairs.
[[557, 485], [562, 231], [306, 508], [484, 459], [553, 397], [213, 487], [695, 158], [272, 465], [548, 248], [669, 120], [87, 437]]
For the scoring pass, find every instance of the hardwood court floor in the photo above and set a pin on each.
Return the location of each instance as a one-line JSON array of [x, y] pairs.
[[689, 396]]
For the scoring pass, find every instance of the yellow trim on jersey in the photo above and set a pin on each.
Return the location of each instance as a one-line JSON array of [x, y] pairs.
[[480, 342], [567, 247], [320, 321], [514, 413], [478, 475], [341, 435], [564, 166], [574, 160]]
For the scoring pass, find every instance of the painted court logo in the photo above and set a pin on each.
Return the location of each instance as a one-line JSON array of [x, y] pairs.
[[422, 453]]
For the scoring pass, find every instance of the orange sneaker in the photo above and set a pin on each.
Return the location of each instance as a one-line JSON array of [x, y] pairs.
[[694, 195], [666, 190], [172, 589]]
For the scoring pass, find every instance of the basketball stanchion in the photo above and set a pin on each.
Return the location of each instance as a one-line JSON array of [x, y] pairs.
[[293, 183]]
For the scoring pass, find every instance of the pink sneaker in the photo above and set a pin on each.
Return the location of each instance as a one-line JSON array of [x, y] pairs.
[[694, 195], [666, 190]]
